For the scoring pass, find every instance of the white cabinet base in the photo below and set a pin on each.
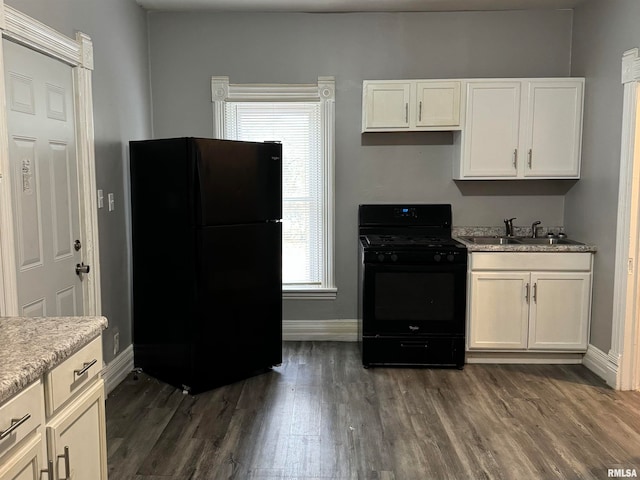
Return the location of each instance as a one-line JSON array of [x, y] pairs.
[[525, 303], [531, 358]]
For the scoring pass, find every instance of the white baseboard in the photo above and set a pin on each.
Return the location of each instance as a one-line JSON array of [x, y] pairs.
[[539, 358], [601, 364], [345, 330], [118, 369]]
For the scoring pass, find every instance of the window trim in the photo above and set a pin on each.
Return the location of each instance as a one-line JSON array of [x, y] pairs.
[[324, 93]]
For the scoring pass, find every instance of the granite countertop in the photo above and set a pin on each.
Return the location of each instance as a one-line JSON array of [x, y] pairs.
[[459, 232], [31, 346]]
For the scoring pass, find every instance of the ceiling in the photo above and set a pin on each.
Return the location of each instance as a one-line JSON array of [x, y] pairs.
[[353, 5]]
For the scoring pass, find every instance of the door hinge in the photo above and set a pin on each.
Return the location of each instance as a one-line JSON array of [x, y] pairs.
[[630, 266]]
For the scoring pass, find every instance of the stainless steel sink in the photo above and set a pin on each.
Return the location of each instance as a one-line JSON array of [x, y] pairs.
[[492, 240], [548, 241]]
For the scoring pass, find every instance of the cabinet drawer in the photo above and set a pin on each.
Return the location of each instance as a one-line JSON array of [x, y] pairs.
[[539, 261], [70, 376], [20, 416]]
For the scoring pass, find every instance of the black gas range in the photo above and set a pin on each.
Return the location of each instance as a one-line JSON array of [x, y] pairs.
[[412, 286]]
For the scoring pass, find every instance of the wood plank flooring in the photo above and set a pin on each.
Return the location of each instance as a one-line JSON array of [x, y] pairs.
[[321, 415]]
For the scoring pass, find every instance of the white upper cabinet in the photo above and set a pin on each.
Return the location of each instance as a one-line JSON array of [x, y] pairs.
[[553, 132], [386, 106], [438, 104], [492, 130], [521, 128], [410, 105]]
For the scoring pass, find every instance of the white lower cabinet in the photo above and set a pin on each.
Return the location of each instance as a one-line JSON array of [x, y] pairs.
[[76, 437], [513, 307], [499, 313], [559, 311], [25, 463], [67, 440]]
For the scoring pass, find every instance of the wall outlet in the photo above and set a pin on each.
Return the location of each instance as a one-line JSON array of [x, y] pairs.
[[116, 343]]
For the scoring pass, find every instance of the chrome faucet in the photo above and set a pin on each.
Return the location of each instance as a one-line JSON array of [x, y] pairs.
[[534, 229], [508, 223]]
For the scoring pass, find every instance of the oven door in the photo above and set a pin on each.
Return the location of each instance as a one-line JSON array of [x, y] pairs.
[[414, 299]]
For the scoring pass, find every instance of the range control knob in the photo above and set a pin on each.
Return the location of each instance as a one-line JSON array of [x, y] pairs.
[[381, 257], [450, 257], [394, 257], [437, 257]]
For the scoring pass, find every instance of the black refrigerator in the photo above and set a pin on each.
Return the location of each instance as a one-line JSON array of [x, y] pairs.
[[207, 259]]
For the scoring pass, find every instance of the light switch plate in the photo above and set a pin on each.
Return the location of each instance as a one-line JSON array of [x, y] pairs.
[[112, 203], [100, 199]]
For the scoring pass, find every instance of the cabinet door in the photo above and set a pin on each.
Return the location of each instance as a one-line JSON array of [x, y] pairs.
[[554, 129], [386, 105], [560, 311], [80, 427], [438, 104], [25, 463], [492, 129], [498, 310]]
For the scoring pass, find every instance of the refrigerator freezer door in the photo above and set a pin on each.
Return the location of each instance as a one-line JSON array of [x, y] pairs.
[[237, 182]]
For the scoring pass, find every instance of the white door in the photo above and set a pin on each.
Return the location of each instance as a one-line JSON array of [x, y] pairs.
[[554, 129], [560, 310], [75, 437], [438, 104], [387, 105], [499, 310], [25, 463], [492, 130], [42, 153]]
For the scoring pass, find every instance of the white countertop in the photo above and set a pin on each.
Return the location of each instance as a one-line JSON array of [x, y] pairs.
[[31, 346]]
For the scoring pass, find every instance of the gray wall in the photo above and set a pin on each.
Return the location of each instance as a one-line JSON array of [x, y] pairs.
[[121, 100], [187, 49], [602, 32]]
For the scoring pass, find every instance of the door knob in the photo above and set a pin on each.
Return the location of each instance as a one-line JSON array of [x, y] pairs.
[[82, 268]]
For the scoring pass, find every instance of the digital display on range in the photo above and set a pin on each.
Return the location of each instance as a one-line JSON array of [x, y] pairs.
[[405, 212]]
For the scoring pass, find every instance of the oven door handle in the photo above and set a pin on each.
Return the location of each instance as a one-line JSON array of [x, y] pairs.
[[415, 345]]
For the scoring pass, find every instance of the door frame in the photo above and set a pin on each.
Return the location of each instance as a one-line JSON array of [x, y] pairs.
[[625, 334], [78, 53]]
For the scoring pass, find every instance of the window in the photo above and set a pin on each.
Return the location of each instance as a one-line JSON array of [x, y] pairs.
[[301, 117]]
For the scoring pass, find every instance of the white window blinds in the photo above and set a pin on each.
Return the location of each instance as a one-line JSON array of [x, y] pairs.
[[297, 125]]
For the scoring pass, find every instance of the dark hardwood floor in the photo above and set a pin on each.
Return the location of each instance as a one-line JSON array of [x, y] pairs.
[[322, 416]]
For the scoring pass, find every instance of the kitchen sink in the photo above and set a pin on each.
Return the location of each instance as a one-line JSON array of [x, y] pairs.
[[520, 241], [548, 241], [492, 240]]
